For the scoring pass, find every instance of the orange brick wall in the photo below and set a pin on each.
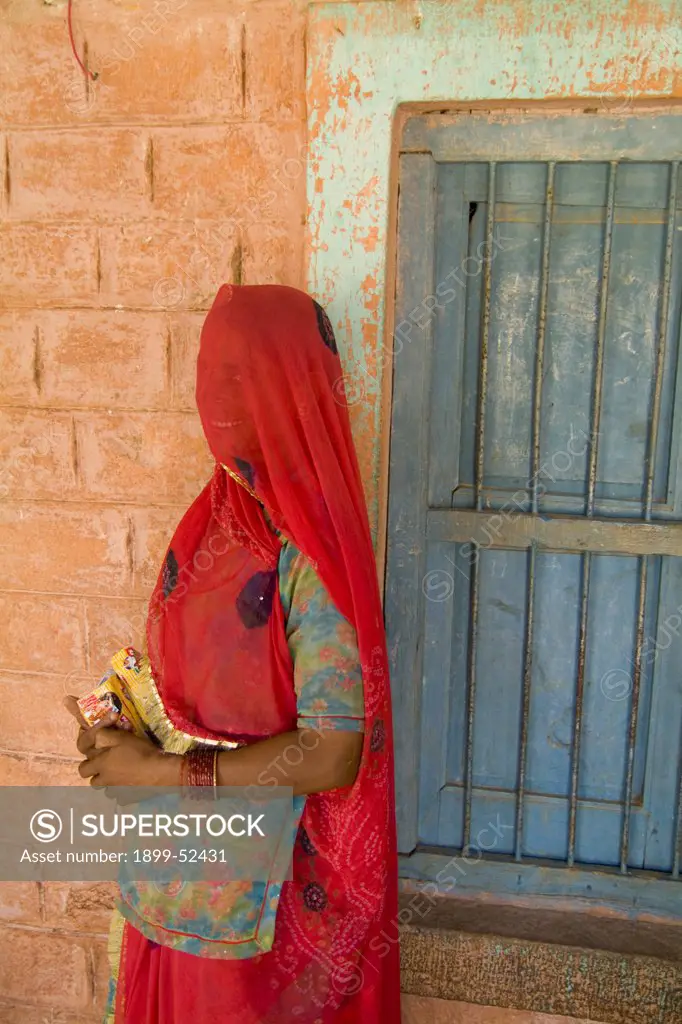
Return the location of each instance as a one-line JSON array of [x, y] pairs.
[[123, 206]]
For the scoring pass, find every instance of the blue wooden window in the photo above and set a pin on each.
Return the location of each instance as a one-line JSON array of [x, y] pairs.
[[534, 578]]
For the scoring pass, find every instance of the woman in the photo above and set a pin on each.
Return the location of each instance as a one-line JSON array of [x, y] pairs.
[[265, 634]]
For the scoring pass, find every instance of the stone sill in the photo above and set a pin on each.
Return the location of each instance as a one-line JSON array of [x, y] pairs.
[[533, 919], [540, 961]]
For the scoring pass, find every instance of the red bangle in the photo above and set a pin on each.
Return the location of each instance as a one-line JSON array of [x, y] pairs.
[[200, 768]]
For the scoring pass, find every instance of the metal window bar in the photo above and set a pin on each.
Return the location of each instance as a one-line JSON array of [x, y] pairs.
[[471, 698], [535, 472], [677, 852], [478, 500], [485, 335], [525, 703], [664, 310], [542, 330], [586, 559], [590, 503]]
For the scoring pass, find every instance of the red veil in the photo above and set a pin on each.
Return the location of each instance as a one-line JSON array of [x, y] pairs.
[[271, 399]]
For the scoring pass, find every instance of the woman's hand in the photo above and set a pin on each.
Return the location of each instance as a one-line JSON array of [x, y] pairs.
[[115, 757]]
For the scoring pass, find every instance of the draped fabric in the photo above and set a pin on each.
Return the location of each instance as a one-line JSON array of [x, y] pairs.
[[271, 400]]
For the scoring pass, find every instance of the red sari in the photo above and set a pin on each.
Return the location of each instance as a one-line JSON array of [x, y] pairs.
[[271, 400]]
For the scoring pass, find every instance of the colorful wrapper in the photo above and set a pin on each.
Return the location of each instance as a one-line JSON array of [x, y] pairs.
[[115, 692], [129, 687]]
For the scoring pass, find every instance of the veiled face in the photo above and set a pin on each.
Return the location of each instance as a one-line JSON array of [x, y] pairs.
[[219, 394], [222, 390], [266, 371]]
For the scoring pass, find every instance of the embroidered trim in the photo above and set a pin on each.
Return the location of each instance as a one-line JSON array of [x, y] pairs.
[[148, 699], [114, 954], [259, 940], [240, 480]]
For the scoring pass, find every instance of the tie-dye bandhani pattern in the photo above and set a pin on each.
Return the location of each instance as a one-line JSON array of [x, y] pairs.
[[329, 692]]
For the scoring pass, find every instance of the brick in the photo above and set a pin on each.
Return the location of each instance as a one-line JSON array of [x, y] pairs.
[[84, 906], [42, 633], [33, 770], [272, 256], [43, 265], [4, 177], [227, 172], [93, 173], [74, 549], [100, 973], [167, 266], [112, 624], [84, 358], [20, 1013], [20, 901], [110, 359], [185, 332], [275, 67], [154, 457], [53, 730], [36, 453], [281, 204], [153, 531], [56, 965], [171, 62], [18, 332], [40, 83]]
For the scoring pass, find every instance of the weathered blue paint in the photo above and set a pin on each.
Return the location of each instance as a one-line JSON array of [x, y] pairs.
[[575, 890], [366, 59], [455, 485]]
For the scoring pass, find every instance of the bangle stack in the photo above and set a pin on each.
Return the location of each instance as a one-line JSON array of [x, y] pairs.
[[200, 768]]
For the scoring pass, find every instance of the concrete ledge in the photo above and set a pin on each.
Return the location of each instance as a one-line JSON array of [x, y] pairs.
[[540, 976]]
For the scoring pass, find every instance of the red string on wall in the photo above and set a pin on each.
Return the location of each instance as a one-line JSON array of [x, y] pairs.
[[86, 71]]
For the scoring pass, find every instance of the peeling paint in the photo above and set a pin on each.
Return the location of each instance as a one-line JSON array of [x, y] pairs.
[[366, 59], [368, 238]]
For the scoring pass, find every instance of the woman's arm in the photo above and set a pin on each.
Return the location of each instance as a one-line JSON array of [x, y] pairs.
[[307, 760], [325, 749]]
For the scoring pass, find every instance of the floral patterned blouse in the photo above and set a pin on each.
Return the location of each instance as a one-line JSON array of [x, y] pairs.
[[323, 647]]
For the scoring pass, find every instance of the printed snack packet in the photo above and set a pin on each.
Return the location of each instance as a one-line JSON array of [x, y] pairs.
[[129, 688], [113, 693]]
